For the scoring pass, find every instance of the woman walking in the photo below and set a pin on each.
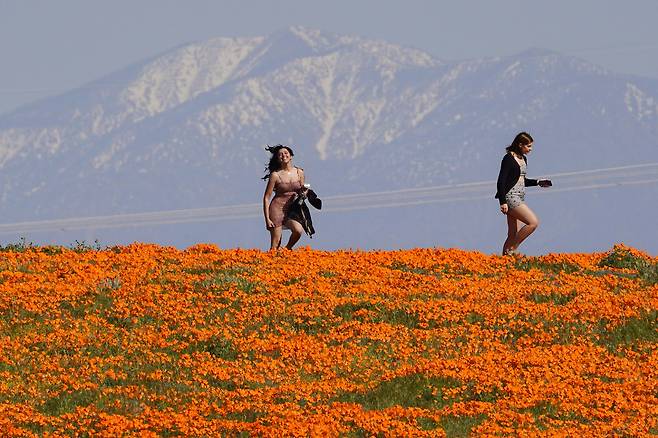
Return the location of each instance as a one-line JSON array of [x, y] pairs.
[[285, 181], [511, 185]]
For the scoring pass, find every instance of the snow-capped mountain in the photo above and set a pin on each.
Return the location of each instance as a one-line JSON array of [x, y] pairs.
[[187, 128]]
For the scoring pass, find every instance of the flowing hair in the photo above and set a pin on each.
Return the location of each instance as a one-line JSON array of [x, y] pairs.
[[274, 164], [521, 139]]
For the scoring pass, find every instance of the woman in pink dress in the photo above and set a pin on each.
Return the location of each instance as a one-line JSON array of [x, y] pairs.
[[285, 181]]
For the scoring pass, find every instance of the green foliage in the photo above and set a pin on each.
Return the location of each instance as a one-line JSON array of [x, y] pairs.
[[66, 401], [567, 332], [543, 409], [215, 346], [378, 313], [227, 385], [247, 416], [347, 311], [510, 331], [414, 390], [396, 317], [52, 249], [553, 297], [649, 273], [623, 258], [24, 268], [529, 263], [21, 322], [616, 273], [425, 423], [358, 432], [378, 350], [277, 322], [417, 390], [644, 327], [82, 246], [21, 246], [310, 325], [460, 426], [547, 410], [293, 280], [103, 299], [474, 318], [223, 279]]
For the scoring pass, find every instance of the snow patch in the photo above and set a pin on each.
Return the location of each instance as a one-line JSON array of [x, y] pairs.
[[327, 85], [185, 74], [638, 103], [512, 70]]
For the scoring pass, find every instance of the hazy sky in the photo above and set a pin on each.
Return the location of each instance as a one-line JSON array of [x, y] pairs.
[[50, 46]]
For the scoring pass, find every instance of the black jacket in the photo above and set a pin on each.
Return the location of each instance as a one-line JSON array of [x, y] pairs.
[[509, 175], [299, 211]]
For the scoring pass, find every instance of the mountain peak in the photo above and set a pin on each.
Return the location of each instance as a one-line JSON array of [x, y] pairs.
[[308, 39], [550, 59]]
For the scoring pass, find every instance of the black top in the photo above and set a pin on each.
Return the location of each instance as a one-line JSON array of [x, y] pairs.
[[510, 171]]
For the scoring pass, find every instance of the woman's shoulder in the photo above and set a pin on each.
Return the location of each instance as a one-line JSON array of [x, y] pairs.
[[507, 157]]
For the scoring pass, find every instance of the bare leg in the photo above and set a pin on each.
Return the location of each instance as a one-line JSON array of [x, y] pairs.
[[512, 229], [527, 216], [275, 238], [297, 231]]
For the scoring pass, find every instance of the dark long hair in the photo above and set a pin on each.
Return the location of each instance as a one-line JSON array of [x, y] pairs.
[[274, 164], [521, 139]]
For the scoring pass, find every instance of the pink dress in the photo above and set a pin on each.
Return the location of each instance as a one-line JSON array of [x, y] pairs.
[[284, 192]]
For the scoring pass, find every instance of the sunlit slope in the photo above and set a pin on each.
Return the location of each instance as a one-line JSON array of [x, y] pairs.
[[152, 340]]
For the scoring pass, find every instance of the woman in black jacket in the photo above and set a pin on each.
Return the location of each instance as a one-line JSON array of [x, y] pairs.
[[511, 193]]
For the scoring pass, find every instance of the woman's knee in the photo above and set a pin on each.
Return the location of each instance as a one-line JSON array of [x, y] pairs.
[[296, 228], [527, 216], [532, 225]]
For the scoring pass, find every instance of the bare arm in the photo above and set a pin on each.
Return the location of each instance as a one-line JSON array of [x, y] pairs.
[[267, 198]]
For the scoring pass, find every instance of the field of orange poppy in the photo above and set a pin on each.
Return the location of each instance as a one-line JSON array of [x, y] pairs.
[[155, 341]]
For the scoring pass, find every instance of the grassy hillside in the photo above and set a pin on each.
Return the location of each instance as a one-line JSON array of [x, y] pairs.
[[156, 341]]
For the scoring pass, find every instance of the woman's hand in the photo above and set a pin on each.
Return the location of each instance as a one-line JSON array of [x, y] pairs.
[[269, 224], [504, 208]]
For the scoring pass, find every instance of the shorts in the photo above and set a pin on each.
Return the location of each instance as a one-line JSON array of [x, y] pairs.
[[514, 198]]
